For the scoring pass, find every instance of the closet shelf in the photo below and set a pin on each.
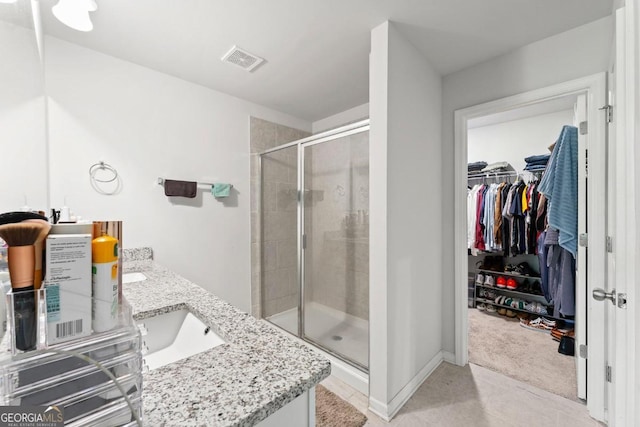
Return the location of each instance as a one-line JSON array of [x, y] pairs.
[[508, 307], [515, 292], [507, 273]]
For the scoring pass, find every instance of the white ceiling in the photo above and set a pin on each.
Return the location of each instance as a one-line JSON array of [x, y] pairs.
[[316, 50]]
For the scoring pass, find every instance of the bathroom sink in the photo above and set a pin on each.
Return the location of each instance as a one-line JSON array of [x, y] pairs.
[[176, 335], [133, 277]]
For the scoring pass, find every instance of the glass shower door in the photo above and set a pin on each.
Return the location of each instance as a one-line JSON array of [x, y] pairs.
[[279, 277], [336, 245]]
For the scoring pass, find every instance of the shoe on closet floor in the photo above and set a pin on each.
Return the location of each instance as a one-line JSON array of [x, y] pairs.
[[550, 323], [490, 308], [481, 307], [489, 281], [511, 314], [536, 325]]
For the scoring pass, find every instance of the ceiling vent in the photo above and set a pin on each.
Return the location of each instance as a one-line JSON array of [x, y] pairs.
[[242, 58]]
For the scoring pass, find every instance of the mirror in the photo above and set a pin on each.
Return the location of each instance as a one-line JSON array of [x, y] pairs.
[[101, 105], [23, 147]]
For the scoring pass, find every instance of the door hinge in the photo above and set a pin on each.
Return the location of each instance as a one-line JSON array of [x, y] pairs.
[[584, 128], [609, 244], [304, 241], [609, 110], [583, 240], [608, 374], [582, 350]]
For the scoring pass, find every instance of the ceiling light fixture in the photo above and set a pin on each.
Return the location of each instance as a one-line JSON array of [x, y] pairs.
[[75, 13]]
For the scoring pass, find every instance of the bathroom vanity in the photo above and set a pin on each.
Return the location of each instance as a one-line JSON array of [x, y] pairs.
[[257, 376]]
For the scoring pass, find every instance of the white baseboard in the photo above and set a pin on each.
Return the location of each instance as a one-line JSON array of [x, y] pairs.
[[388, 411], [378, 408], [449, 357]]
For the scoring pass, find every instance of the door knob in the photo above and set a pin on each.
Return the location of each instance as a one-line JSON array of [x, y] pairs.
[[601, 295]]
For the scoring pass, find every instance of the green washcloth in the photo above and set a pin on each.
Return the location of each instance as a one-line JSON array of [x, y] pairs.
[[221, 190]]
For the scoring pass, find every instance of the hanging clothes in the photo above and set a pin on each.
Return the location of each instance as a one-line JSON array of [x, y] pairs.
[[472, 203], [560, 186], [501, 218], [561, 275]]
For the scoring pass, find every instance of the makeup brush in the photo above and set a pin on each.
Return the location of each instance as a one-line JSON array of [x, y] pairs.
[[38, 246], [21, 237], [11, 217]]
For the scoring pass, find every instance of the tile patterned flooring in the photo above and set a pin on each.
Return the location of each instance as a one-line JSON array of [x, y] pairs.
[[473, 396]]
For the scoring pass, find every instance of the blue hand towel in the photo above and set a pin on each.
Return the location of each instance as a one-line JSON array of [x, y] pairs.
[[221, 190], [560, 185]]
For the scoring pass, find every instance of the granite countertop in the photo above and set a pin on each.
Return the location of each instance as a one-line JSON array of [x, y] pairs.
[[256, 372]]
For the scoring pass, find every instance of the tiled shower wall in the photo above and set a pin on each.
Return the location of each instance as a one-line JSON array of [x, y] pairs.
[[337, 256], [279, 207]]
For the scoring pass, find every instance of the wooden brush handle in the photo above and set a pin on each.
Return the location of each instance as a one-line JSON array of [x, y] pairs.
[[22, 262]]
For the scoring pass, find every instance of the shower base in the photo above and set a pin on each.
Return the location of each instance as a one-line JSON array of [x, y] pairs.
[[337, 331]]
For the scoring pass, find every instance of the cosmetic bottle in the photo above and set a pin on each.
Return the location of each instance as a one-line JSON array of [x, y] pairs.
[[104, 274]]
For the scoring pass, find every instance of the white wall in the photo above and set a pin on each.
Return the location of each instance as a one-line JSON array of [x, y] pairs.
[[406, 259], [351, 115], [149, 125], [514, 140], [22, 121], [576, 53]]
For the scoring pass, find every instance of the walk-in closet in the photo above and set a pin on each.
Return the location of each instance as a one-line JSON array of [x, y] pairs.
[[522, 219]]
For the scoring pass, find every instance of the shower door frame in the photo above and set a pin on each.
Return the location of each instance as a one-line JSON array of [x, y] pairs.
[[330, 135]]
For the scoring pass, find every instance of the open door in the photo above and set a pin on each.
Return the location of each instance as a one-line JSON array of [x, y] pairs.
[[593, 315], [591, 278], [580, 109]]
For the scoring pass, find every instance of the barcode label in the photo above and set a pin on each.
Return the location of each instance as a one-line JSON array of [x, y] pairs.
[[69, 329]]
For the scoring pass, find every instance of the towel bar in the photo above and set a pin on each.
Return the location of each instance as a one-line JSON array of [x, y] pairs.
[[161, 182]]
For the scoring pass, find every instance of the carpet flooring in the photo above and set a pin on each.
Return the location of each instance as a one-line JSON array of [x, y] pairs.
[[332, 411], [502, 345]]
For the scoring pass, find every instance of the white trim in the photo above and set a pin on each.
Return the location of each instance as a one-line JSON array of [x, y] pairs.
[[625, 371], [592, 85], [388, 411], [311, 404], [348, 374], [325, 136], [449, 357]]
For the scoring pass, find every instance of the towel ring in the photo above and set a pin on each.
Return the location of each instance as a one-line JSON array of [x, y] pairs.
[[96, 183], [102, 166]]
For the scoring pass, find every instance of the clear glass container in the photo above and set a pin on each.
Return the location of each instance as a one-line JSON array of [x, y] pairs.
[[63, 375]]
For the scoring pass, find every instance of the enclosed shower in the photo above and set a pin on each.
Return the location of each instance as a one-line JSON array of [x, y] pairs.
[[314, 225]]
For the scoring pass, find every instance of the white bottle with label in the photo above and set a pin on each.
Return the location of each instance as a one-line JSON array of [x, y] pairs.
[[104, 251]]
